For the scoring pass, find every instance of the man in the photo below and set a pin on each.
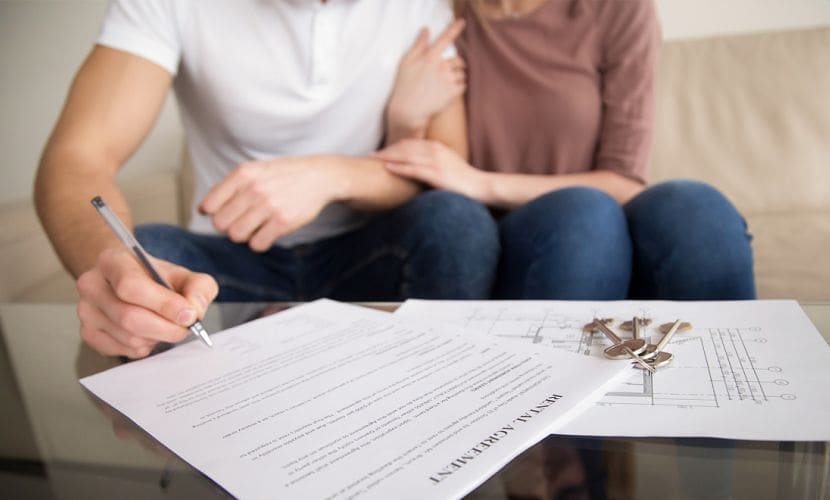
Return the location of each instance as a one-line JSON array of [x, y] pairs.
[[281, 102]]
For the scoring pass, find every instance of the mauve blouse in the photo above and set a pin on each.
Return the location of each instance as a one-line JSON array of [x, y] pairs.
[[568, 87]]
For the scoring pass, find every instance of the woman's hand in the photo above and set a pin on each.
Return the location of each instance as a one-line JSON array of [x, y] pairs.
[[426, 83], [434, 164]]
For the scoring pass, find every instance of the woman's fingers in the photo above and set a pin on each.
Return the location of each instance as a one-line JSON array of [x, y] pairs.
[[446, 38], [419, 47], [417, 172], [417, 151]]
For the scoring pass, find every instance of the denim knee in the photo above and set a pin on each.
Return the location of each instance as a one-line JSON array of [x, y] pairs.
[[568, 244], [454, 239], [163, 241], [585, 212], [174, 244], [690, 243]]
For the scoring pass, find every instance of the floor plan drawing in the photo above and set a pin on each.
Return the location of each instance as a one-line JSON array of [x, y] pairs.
[[739, 358]]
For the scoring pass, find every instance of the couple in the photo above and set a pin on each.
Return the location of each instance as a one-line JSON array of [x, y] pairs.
[[336, 153]]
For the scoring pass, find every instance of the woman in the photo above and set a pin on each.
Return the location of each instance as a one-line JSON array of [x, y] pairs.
[[560, 116]]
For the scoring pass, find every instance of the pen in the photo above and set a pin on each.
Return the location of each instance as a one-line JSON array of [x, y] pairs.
[[129, 240]]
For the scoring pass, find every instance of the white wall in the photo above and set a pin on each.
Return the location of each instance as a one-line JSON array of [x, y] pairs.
[[698, 18], [43, 42]]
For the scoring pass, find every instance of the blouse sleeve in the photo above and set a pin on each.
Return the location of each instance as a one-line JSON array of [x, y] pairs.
[[631, 40]]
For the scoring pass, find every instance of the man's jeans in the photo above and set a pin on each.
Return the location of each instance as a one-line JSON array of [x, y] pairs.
[[676, 240], [439, 245]]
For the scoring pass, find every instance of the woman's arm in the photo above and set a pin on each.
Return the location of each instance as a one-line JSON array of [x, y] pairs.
[[426, 99], [437, 165], [449, 127], [514, 190], [630, 45], [629, 49]]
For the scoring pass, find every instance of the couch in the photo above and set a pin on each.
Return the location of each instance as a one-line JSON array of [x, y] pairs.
[[749, 114]]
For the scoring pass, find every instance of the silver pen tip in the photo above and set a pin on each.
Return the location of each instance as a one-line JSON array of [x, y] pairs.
[[200, 332]]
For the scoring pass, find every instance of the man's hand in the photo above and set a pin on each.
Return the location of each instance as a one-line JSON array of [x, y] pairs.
[[426, 83], [124, 312], [262, 201], [436, 165]]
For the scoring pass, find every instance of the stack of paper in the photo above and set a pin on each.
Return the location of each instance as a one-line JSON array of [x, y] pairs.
[[328, 400]]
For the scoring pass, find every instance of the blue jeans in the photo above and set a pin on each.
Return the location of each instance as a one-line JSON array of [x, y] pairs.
[[678, 240], [440, 245]]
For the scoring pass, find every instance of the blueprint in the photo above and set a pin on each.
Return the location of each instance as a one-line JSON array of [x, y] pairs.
[[755, 370]]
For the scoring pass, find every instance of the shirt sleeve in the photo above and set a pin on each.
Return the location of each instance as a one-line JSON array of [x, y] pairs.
[[145, 28], [630, 49], [439, 17]]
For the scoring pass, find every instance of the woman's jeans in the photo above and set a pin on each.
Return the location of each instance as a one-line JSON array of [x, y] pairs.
[[678, 240]]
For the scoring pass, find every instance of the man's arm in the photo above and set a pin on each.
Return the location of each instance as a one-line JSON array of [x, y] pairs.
[[112, 105], [262, 201]]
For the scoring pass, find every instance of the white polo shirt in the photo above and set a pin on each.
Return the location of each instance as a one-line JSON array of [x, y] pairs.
[[260, 79]]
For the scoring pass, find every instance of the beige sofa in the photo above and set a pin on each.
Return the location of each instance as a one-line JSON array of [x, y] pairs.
[[749, 114]]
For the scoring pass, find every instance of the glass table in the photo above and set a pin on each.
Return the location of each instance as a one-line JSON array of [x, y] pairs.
[[56, 441]]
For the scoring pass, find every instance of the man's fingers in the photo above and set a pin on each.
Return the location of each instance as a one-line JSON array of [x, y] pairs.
[[232, 210], [446, 38], [107, 338], [265, 236], [199, 289], [130, 324], [241, 229], [106, 345], [218, 195], [222, 192], [131, 284]]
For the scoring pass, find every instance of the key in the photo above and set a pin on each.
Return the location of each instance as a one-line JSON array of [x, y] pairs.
[[657, 360], [660, 358], [628, 326], [623, 348], [684, 327], [592, 328], [638, 323], [669, 334]]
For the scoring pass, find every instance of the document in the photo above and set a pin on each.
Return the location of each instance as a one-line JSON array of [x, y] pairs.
[[329, 400], [754, 370]]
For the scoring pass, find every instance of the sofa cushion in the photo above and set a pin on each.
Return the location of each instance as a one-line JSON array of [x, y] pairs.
[[749, 114], [792, 254]]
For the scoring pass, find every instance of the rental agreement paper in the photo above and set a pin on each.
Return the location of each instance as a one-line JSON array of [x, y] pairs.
[[754, 370], [329, 400]]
